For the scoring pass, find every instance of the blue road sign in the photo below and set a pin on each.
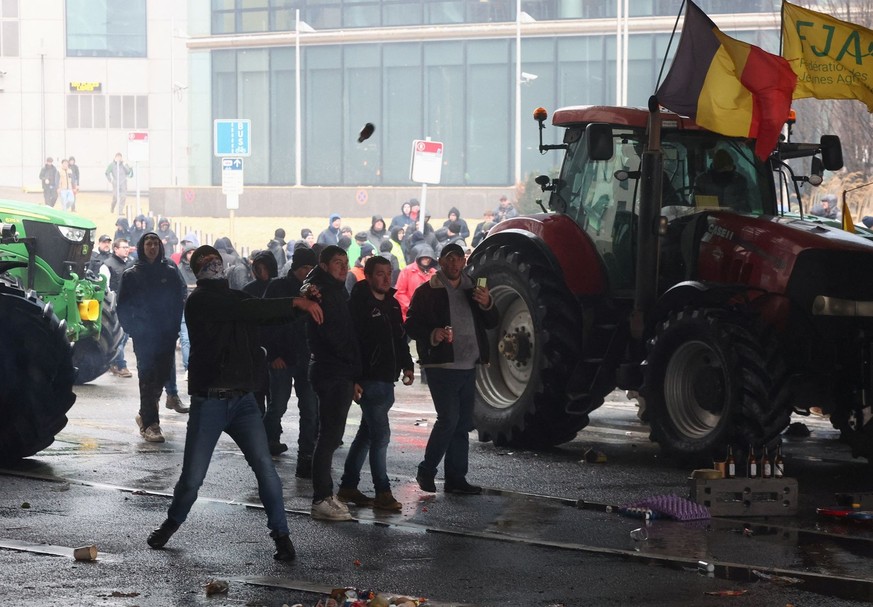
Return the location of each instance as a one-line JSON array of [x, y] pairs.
[[232, 137]]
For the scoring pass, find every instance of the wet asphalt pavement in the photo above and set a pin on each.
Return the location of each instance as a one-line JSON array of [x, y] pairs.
[[540, 535]]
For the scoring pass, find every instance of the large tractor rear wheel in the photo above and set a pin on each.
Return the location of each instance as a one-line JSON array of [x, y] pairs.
[[706, 386], [92, 356], [36, 375], [521, 396]]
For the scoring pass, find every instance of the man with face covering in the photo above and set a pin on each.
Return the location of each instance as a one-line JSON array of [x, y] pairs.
[[224, 364], [150, 301]]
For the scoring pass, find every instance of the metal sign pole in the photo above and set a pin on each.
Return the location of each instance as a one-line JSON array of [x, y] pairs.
[[136, 176]]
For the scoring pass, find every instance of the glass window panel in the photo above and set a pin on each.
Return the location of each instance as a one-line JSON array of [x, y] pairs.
[[10, 9], [361, 16], [489, 103], [362, 162], [445, 118], [86, 117], [282, 125], [114, 112], [254, 21], [10, 39], [128, 120], [284, 20], [444, 12], [100, 111], [244, 4], [72, 112], [401, 13], [223, 23], [324, 18], [323, 90], [97, 28], [402, 119], [254, 104], [223, 4], [142, 111]]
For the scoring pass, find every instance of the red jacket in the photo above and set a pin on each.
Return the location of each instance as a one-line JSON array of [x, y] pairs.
[[410, 278]]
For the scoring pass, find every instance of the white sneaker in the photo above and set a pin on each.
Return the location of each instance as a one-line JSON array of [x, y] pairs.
[[330, 509]]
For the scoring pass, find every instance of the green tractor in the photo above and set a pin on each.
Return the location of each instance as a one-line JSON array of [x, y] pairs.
[[48, 254]]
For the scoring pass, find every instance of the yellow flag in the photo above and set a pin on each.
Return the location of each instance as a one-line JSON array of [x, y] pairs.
[[848, 224], [832, 58]]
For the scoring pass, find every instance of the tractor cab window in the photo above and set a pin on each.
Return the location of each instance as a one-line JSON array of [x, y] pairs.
[[603, 206]]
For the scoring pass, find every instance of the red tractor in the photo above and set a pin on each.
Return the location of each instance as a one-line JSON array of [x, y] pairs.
[[667, 269]]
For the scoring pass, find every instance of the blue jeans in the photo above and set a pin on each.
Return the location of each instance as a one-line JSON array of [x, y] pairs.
[[334, 400], [171, 387], [240, 418], [185, 343], [373, 435], [119, 361], [452, 391], [281, 381]]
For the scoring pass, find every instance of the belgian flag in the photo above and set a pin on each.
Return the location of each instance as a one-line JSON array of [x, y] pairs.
[[726, 85]]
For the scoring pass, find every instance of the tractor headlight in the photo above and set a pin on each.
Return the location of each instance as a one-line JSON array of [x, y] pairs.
[[72, 234], [93, 234], [823, 305]]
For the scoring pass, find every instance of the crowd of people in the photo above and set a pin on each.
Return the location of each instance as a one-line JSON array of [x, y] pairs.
[[330, 317]]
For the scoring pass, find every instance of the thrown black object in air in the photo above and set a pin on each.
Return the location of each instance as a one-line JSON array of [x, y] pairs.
[[366, 132]]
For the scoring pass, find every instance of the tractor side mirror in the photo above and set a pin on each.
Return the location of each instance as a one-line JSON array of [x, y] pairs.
[[816, 172], [831, 152], [598, 140], [544, 182]]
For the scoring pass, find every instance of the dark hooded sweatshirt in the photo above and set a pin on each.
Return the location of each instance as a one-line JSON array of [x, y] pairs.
[[257, 287], [150, 301], [335, 353], [223, 326], [465, 229], [377, 237], [330, 235]]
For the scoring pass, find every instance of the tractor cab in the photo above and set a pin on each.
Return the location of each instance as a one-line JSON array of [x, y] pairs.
[[599, 185]]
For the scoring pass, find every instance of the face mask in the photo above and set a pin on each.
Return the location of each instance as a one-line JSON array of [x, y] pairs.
[[212, 270]]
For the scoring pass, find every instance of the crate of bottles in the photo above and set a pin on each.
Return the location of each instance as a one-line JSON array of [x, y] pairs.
[[746, 496]]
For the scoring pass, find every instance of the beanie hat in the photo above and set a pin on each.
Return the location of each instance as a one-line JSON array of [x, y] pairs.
[[367, 249], [199, 254], [303, 256]]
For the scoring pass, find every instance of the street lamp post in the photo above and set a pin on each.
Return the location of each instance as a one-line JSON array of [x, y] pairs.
[[298, 119], [519, 17]]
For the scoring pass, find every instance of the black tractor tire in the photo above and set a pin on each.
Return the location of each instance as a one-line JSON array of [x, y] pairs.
[[36, 375], [707, 385], [93, 355], [521, 395]]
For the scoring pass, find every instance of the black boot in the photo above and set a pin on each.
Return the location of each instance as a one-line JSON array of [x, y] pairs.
[[284, 549], [162, 534]]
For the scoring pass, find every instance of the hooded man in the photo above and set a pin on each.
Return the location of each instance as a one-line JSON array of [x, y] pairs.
[[403, 220], [150, 301], [455, 217], [288, 360], [356, 273], [49, 177], [225, 359], [377, 234], [238, 271], [413, 276], [264, 269], [277, 247], [331, 234], [168, 236], [136, 232], [333, 368]]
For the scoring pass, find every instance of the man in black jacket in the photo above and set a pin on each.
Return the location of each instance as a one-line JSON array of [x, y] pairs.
[[223, 325], [113, 269], [288, 360], [150, 301], [100, 254], [447, 319], [384, 355], [334, 366]]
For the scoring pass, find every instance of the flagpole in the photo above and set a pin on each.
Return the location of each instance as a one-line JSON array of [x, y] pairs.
[[669, 44]]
